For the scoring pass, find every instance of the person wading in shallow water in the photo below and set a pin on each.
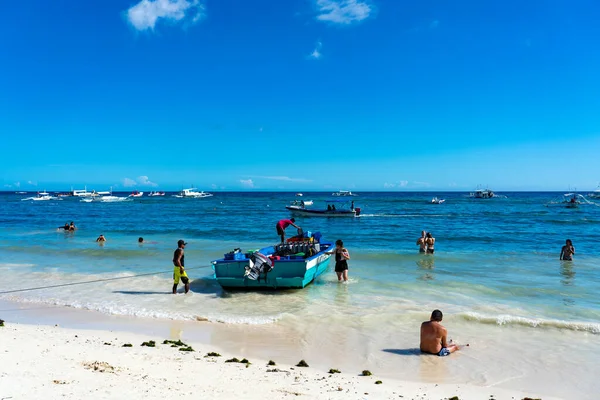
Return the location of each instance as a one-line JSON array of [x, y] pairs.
[[433, 336], [567, 251], [421, 242], [179, 269]]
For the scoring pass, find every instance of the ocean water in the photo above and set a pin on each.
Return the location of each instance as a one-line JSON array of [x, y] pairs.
[[496, 271]]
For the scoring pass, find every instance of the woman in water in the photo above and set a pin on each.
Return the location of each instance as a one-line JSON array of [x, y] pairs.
[[429, 242], [567, 251], [341, 260]]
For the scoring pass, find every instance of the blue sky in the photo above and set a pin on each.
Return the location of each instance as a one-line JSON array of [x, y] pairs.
[[300, 94]]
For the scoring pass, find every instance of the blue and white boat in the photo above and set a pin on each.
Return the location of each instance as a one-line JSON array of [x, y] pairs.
[[335, 208], [291, 265]]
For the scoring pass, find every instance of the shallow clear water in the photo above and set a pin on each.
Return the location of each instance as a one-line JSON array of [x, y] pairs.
[[496, 260]]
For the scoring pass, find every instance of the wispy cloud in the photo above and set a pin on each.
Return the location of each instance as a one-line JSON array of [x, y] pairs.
[[316, 53], [32, 183], [127, 182], [249, 183], [145, 14], [434, 24], [399, 184], [144, 181], [141, 181], [284, 178], [343, 12]]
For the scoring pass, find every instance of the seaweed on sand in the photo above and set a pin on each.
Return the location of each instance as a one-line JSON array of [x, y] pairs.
[[150, 343], [334, 371], [302, 363], [366, 372]]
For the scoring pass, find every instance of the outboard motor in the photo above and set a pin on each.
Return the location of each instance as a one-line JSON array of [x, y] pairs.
[[258, 264], [357, 209]]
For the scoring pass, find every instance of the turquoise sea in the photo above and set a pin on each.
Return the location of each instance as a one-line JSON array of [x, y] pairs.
[[496, 271]]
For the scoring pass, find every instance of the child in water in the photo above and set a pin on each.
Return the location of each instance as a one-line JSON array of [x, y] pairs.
[[341, 260]]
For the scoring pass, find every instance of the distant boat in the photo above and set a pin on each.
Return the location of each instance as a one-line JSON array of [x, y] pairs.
[[42, 196], [435, 200], [570, 200], [482, 194], [136, 193], [82, 193], [299, 194], [343, 209], [192, 193], [154, 194], [595, 194], [343, 193]]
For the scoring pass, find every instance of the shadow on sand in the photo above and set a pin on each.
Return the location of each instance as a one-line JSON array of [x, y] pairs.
[[405, 352]]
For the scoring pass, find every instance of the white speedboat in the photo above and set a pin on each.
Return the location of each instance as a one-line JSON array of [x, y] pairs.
[[42, 196], [154, 194], [435, 200], [136, 193], [192, 193], [299, 194], [343, 193]]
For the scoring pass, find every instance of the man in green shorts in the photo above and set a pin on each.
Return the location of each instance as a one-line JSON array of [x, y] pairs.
[[179, 269]]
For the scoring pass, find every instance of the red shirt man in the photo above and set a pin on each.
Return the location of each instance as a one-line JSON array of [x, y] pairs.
[[284, 223]]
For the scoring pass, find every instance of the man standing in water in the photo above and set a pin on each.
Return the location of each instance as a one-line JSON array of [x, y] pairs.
[[421, 242], [433, 336], [179, 269]]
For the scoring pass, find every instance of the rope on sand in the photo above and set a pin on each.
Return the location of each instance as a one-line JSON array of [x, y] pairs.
[[92, 281]]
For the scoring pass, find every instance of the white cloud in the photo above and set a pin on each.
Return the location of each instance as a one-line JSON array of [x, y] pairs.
[[214, 186], [7, 186], [146, 13], [249, 183], [17, 184], [398, 184], [32, 183], [141, 180], [434, 24], [128, 182], [284, 178], [144, 181], [343, 11], [316, 54]]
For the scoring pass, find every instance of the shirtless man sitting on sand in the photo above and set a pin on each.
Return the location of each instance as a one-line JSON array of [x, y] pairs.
[[433, 336]]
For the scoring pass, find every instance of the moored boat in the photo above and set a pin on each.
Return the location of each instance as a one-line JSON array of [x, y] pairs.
[[343, 209], [192, 193], [343, 193], [294, 264], [155, 194], [136, 193], [482, 194]]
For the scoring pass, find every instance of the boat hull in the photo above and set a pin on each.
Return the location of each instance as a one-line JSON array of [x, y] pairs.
[[292, 272], [320, 213]]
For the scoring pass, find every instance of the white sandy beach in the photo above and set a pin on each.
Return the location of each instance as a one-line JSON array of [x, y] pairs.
[[51, 362]]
